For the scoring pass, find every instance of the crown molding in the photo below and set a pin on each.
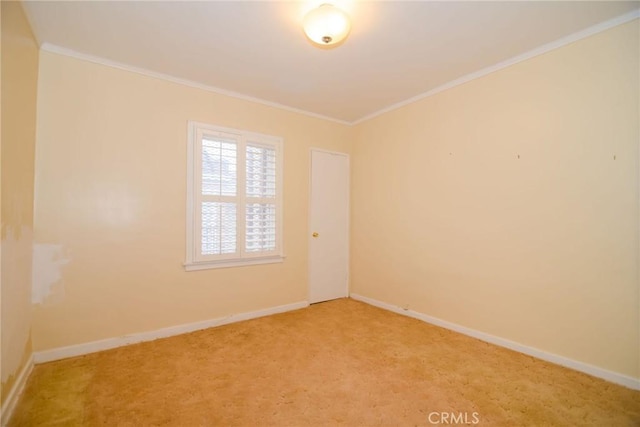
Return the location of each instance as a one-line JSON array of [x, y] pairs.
[[587, 32], [52, 48]]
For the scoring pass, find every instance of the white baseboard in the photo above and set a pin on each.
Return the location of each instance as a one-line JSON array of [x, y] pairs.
[[604, 374], [109, 343], [10, 402]]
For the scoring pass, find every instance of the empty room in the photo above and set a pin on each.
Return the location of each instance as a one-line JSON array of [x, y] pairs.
[[312, 213]]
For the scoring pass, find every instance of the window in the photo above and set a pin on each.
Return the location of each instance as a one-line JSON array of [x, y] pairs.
[[234, 199]]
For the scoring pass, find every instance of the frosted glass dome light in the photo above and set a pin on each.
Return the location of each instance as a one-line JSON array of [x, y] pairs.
[[326, 25]]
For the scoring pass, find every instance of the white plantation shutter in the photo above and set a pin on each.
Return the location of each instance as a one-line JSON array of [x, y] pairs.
[[219, 223], [219, 203], [234, 200], [260, 225], [219, 164]]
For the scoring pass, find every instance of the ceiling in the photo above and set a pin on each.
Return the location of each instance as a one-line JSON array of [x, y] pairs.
[[397, 50]]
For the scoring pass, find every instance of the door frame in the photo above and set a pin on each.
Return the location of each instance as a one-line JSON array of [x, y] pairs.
[[310, 231]]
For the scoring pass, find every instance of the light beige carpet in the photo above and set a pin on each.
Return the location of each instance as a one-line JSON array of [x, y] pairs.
[[340, 363]]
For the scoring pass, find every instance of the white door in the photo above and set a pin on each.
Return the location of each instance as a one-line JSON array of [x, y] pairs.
[[329, 226]]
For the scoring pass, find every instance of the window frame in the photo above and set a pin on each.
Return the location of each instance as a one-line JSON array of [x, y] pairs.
[[195, 260]]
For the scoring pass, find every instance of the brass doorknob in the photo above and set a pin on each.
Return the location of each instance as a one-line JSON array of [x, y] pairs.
[[315, 234]]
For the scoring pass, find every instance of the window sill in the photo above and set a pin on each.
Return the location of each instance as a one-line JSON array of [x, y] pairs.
[[207, 265]]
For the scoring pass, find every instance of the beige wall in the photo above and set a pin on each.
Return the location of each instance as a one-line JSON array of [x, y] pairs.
[[509, 204], [110, 204], [19, 84]]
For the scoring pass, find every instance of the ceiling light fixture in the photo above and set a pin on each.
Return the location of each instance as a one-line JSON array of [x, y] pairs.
[[326, 25]]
